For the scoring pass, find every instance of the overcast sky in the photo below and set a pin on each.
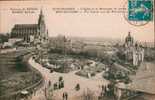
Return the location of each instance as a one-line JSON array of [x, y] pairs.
[[83, 25]]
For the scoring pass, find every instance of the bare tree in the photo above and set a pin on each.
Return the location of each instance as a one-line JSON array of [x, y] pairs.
[[88, 95], [48, 92]]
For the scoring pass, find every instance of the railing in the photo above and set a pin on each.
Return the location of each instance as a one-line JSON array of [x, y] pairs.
[[132, 97]]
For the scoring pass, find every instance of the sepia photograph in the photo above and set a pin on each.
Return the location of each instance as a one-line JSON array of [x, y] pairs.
[[77, 50]]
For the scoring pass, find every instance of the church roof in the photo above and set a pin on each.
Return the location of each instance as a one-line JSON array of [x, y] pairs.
[[30, 26], [17, 26]]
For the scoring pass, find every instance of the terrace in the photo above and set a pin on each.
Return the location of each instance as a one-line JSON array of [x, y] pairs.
[[15, 74]]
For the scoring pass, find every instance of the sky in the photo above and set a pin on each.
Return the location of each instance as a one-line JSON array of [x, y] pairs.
[[110, 25]]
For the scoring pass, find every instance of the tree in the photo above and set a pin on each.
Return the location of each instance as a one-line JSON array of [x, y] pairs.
[[3, 38], [48, 92], [88, 95]]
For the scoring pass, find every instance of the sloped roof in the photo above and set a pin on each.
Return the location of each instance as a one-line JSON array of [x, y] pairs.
[[17, 26]]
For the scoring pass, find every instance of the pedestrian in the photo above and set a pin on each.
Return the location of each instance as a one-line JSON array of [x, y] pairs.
[[49, 83], [77, 87], [103, 89], [34, 92], [60, 85], [45, 92], [63, 96], [66, 96], [55, 86]]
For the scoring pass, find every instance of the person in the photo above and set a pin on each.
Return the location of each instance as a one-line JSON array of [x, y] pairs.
[[59, 85], [49, 83], [45, 91], [105, 90], [62, 84], [63, 96], [66, 96], [77, 87], [103, 87], [55, 86]]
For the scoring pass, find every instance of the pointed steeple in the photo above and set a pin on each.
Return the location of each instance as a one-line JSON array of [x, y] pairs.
[[129, 40], [41, 18], [41, 12], [47, 32], [129, 33]]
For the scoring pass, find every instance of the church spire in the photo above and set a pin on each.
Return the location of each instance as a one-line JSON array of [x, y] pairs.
[[41, 12], [41, 24], [129, 39], [129, 33], [41, 18]]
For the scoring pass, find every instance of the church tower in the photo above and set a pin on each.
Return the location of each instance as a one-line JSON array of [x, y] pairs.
[[42, 26], [129, 41], [41, 23]]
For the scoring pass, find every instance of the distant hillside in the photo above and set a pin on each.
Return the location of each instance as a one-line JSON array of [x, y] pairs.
[[105, 41], [98, 40]]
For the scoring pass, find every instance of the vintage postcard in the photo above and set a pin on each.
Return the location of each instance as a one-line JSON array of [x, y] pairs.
[[77, 50]]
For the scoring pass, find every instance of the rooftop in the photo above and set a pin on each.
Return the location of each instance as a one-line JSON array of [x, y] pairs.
[[26, 26]]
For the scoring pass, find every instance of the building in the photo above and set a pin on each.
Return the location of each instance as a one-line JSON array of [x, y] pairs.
[[31, 32], [133, 51], [61, 43]]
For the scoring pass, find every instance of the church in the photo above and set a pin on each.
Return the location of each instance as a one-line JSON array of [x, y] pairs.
[[31, 33], [133, 51]]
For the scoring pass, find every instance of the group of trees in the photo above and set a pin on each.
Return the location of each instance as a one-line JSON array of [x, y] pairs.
[[149, 54], [4, 38]]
